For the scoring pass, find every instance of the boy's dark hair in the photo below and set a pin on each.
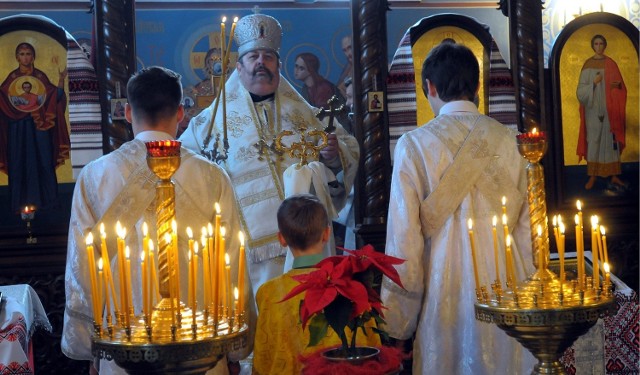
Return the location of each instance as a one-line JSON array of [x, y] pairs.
[[301, 220], [154, 93], [454, 70], [601, 37]]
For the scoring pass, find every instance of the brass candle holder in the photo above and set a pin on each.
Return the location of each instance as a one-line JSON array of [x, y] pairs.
[[544, 313], [173, 338]]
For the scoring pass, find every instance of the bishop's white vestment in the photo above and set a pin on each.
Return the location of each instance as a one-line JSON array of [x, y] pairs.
[[257, 177], [120, 186], [432, 235]]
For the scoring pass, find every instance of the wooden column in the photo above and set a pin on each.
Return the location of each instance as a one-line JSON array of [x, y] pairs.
[[527, 60], [370, 74], [115, 62]]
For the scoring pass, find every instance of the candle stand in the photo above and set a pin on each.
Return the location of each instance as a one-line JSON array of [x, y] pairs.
[[27, 215], [172, 338], [545, 313]]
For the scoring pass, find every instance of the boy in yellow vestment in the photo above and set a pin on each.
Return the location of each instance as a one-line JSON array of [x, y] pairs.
[[304, 226]]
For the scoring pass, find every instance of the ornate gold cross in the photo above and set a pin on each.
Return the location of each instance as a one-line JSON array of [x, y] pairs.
[[264, 148]]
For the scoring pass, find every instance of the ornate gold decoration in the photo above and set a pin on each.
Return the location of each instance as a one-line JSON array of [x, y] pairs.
[[173, 339], [545, 314], [304, 149]]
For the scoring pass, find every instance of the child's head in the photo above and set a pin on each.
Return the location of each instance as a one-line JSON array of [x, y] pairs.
[[303, 221]]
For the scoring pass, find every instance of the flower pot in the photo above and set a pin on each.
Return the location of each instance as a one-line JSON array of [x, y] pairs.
[[354, 357]]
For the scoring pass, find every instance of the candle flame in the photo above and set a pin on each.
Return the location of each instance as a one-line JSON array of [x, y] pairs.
[[539, 230], [89, 239], [577, 219], [555, 220], [606, 267], [504, 200], [189, 233], [210, 229], [223, 231], [167, 238], [203, 232], [602, 230], [534, 131], [195, 248], [203, 240], [127, 252], [145, 229], [594, 222], [560, 219], [561, 228], [508, 240], [579, 205], [224, 19], [100, 264], [236, 293], [217, 207], [494, 221], [151, 247], [241, 236], [235, 19], [227, 259], [103, 234], [504, 219], [470, 224], [142, 256]]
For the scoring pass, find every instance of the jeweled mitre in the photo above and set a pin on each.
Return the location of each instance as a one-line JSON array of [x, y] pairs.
[[258, 31]]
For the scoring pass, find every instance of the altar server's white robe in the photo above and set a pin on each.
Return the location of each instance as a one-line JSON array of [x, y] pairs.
[[438, 304], [198, 185]]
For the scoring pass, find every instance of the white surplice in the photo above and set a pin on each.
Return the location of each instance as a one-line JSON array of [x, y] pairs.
[[199, 184], [438, 304]]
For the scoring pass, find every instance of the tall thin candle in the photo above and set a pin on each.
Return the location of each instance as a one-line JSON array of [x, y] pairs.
[[227, 280], [604, 244], [108, 276], [580, 253], [504, 205], [510, 264], [191, 274], [95, 297], [176, 260], [241, 271], [195, 275], [100, 291], [206, 270], [105, 287], [561, 252], [580, 239], [129, 303], [145, 285], [122, 274], [494, 232], [154, 288], [221, 265], [473, 254], [595, 252]]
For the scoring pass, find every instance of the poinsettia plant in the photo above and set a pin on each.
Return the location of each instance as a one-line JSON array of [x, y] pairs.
[[341, 293]]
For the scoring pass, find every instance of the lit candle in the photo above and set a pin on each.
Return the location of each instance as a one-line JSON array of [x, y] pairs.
[[221, 265], [595, 252], [241, 270], [128, 288], [206, 274], [580, 255], [146, 270], [504, 205], [92, 275], [473, 254], [600, 247], [176, 260], [511, 272], [607, 276], [104, 285], [121, 233], [540, 251], [153, 288], [100, 291], [223, 40], [581, 239], [604, 244], [191, 274], [172, 276], [145, 285], [108, 276], [213, 264], [227, 280], [561, 251], [236, 309], [195, 275]]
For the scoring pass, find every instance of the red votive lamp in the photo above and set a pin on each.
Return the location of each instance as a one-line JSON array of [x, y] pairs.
[[163, 148]]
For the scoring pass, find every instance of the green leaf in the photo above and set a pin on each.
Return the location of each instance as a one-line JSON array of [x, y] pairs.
[[318, 328]]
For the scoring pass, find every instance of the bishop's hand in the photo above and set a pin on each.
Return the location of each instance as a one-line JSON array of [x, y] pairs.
[[330, 152]]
